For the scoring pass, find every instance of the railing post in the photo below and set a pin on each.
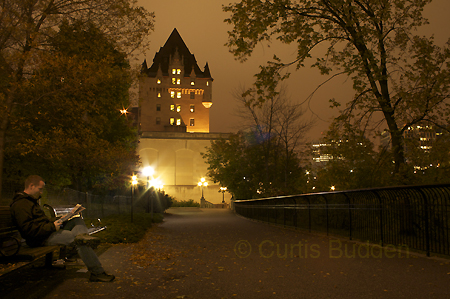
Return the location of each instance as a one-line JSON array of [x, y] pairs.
[[381, 218], [326, 210], [427, 219], [309, 214], [349, 216]]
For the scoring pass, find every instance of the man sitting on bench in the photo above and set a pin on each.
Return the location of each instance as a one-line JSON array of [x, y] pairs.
[[35, 227]]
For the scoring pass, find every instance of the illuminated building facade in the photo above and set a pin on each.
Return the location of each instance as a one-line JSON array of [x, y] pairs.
[[175, 97], [174, 94]]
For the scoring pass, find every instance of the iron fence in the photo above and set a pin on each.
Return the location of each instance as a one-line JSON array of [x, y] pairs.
[[97, 206], [417, 217]]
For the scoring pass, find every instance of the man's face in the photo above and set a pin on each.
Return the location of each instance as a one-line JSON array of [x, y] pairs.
[[35, 190]]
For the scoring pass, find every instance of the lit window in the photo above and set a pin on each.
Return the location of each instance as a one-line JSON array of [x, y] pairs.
[[178, 121], [174, 80], [192, 108], [178, 81], [179, 95], [192, 83], [192, 94], [174, 71], [172, 121], [207, 83], [158, 107], [178, 71], [191, 122], [159, 94], [172, 94], [158, 120], [158, 81], [172, 107], [178, 108]]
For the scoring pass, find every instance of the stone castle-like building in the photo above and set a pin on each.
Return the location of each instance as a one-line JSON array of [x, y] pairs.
[[175, 97]]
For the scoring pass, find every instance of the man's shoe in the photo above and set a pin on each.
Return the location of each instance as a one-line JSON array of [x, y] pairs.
[[87, 240], [103, 277]]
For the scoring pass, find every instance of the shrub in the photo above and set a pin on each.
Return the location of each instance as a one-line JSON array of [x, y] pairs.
[[121, 230]]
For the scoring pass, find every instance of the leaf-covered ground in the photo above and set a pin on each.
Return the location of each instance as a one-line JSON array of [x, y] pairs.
[[202, 253]]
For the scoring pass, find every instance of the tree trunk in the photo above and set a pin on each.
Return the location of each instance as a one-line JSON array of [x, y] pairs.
[[3, 128]]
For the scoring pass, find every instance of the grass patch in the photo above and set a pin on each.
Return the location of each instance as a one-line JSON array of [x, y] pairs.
[[121, 230], [184, 203]]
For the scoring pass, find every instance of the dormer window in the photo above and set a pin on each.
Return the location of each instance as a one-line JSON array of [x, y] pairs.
[[192, 83], [176, 71], [158, 81], [207, 83]]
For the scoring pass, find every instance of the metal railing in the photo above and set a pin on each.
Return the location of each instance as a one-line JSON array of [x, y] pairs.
[[417, 217]]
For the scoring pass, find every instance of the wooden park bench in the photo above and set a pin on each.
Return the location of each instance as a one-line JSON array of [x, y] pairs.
[[14, 250]]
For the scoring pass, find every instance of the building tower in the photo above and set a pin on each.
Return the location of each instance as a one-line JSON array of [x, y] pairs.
[[175, 95], [174, 101]]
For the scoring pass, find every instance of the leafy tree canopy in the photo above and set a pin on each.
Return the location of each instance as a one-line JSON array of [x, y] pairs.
[[402, 76], [74, 133], [27, 31], [243, 164]]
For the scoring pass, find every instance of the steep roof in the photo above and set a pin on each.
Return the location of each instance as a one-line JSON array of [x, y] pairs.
[[162, 58]]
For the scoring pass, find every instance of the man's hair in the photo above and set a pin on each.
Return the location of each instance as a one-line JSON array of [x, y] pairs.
[[33, 179]]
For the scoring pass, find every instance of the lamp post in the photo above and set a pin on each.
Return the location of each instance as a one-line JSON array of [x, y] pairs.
[[133, 184], [155, 183], [149, 171], [202, 183], [223, 189]]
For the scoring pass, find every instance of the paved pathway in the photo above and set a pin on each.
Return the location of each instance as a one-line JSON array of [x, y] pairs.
[[206, 253]]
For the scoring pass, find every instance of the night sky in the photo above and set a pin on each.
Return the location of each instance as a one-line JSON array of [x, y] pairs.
[[200, 24]]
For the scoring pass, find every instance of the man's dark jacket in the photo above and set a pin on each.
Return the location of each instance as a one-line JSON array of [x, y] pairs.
[[34, 226]]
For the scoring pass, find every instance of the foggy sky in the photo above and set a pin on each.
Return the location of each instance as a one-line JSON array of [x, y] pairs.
[[200, 24]]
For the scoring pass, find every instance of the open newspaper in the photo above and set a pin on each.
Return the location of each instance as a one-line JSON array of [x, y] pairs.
[[75, 212]]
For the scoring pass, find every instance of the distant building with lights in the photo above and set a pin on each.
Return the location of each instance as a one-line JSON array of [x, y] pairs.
[[425, 135], [175, 96], [319, 154], [422, 135]]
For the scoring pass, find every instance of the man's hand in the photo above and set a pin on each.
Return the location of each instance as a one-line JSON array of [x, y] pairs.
[[57, 224]]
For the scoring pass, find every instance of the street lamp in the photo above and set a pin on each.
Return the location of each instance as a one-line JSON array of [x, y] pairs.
[[223, 189], [148, 171], [133, 184], [202, 183]]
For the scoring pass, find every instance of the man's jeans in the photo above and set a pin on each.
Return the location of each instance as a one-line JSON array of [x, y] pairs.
[[66, 236]]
